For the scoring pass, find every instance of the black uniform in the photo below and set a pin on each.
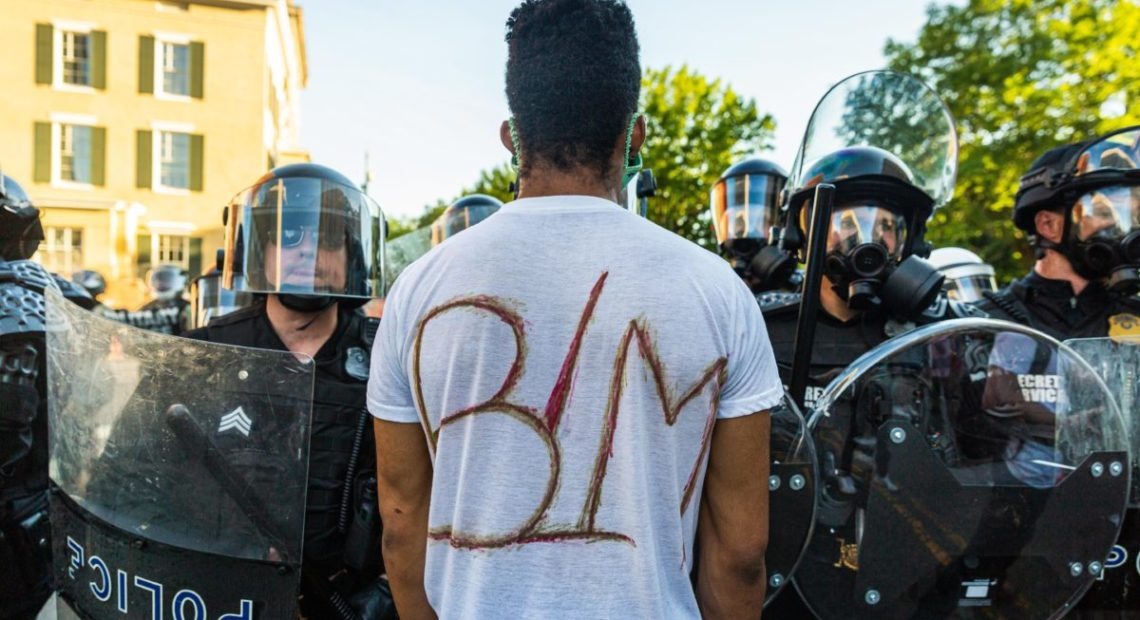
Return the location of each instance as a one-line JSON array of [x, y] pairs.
[[342, 458], [1051, 307], [837, 344], [25, 555]]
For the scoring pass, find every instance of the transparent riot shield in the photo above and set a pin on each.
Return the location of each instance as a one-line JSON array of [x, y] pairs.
[[178, 472], [891, 111], [971, 468], [404, 250], [1117, 361], [792, 485]]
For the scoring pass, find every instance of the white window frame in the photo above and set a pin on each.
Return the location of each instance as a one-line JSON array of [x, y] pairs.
[[49, 248], [157, 129], [161, 39], [58, 120], [157, 256], [58, 30]]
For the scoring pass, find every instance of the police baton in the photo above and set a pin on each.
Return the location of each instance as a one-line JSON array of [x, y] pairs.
[[822, 207]]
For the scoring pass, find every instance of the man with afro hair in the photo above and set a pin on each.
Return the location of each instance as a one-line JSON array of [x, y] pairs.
[[563, 389]]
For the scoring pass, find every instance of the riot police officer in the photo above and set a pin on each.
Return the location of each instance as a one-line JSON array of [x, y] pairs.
[[968, 277], [306, 242], [1080, 205], [876, 284], [745, 205], [24, 529], [171, 310], [463, 214]]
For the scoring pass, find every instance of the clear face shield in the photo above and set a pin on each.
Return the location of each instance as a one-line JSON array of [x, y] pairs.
[[1104, 221], [454, 221], [745, 207], [166, 282], [969, 288], [308, 236], [854, 226]]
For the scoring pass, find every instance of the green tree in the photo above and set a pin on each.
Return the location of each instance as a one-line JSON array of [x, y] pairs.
[[697, 127], [1020, 77]]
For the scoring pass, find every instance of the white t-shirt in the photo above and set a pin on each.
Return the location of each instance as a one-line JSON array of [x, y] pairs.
[[567, 360]]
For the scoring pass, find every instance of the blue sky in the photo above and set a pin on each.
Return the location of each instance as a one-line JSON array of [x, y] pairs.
[[419, 84]]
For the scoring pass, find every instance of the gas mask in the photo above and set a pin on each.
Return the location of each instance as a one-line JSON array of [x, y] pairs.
[[865, 264], [745, 205], [1104, 237]]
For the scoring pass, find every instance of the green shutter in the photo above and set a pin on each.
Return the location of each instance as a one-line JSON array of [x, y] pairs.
[[45, 50], [195, 256], [143, 262], [146, 64], [99, 59], [144, 151], [197, 68], [196, 154], [42, 172], [99, 156]]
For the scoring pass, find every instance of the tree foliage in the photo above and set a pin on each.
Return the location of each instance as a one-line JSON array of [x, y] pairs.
[[697, 127], [1020, 77]]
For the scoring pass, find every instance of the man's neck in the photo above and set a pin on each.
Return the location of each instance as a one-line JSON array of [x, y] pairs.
[[547, 181], [1055, 266], [832, 304], [301, 332]]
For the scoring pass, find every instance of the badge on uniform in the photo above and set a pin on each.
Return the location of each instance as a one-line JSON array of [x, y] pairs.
[[356, 363], [1124, 324]]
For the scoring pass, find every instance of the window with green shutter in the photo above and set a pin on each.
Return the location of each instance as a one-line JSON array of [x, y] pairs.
[[42, 158], [99, 59], [197, 69], [144, 151], [195, 256], [197, 145], [45, 50], [143, 251], [146, 64], [99, 156]]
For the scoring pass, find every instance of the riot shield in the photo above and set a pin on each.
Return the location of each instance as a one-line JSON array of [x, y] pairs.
[[970, 468], [404, 250], [178, 472], [1117, 361], [792, 485]]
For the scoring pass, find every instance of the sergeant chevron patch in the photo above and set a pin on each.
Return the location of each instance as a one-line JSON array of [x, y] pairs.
[[236, 419]]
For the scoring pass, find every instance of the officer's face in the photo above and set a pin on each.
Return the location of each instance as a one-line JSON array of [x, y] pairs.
[[307, 263]]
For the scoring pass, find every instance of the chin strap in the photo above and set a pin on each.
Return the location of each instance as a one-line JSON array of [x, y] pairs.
[[306, 303]]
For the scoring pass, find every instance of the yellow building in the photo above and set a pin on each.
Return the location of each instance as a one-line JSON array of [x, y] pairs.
[[131, 123]]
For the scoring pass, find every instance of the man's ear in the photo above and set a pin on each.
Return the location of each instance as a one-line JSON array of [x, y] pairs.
[[505, 137], [638, 138], [1050, 225]]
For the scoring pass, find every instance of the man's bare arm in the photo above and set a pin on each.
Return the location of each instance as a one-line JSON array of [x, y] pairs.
[[732, 530], [404, 475]]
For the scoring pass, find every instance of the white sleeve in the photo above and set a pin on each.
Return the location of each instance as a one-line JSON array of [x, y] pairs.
[[753, 381], [389, 390]]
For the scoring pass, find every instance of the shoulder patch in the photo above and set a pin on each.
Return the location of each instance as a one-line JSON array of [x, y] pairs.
[[777, 301], [356, 363], [22, 307]]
